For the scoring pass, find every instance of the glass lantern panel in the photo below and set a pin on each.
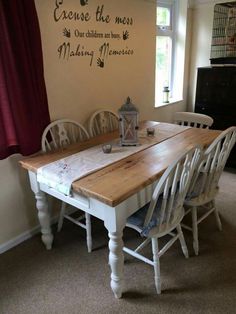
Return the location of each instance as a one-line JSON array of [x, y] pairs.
[[129, 127]]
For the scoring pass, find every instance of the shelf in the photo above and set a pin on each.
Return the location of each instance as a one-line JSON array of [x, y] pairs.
[[224, 31]]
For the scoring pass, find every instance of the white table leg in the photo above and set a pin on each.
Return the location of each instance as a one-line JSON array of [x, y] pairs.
[[116, 261], [43, 211], [44, 219], [114, 221]]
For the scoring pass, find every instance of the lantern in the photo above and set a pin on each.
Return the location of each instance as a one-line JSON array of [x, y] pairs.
[[128, 123], [166, 93]]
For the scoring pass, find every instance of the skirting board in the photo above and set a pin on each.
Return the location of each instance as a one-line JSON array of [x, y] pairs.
[[22, 237]]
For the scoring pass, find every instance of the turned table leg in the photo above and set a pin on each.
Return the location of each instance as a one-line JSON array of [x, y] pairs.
[[116, 261], [44, 219]]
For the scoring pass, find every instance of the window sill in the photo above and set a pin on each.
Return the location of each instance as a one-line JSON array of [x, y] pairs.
[[171, 102]]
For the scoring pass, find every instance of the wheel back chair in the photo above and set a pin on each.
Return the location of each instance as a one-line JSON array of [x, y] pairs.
[[103, 121], [193, 119], [61, 133], [204, 186], [164, 213]]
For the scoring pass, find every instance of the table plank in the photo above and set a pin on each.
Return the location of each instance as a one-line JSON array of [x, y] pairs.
[[112, 185], [41, 159]]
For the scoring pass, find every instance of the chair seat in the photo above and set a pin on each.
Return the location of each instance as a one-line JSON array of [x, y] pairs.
[[201, 199], [195, 197], [137, 219]]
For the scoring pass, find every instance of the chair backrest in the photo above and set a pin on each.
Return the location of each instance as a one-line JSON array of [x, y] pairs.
[[61, 133], [103, 121], [166, 206], [207, 175], [193, 119]]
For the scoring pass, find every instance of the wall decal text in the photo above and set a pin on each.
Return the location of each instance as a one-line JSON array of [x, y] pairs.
[[76, 40]]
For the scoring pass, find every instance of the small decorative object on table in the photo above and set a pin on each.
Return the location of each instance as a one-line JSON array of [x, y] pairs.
[[128, 124], [166, 94], [106, 148], [150, 131]]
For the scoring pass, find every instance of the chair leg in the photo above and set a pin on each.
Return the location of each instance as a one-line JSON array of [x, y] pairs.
[[156, 261], [195, 230], [182, 241], [218, 221], [88, 232], [61, 217]]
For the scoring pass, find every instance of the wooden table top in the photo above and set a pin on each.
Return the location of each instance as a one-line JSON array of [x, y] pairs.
[[116, 182]]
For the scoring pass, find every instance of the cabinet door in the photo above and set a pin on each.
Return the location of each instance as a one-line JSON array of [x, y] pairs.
[[216, 91], [216, 97]]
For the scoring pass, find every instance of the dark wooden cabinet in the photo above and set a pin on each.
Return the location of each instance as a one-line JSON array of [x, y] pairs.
[[216, 97]]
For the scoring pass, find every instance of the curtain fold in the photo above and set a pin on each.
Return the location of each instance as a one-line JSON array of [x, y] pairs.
[[23, 100]]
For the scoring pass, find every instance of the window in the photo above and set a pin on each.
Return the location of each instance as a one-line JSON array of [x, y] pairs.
[[165, 48]]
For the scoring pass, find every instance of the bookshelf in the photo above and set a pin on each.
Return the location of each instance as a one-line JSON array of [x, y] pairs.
[[223, 46]]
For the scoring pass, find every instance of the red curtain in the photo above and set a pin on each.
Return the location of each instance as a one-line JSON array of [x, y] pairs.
[[23, 100]]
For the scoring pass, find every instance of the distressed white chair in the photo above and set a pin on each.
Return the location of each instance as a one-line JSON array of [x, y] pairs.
[[61, 133], [204, 186], [193, 119], [103, 121], [165, 211]]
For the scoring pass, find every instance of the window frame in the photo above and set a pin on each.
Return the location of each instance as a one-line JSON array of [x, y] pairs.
[[169, 31]]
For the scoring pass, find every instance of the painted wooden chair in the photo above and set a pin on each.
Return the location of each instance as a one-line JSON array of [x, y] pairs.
[[204, 186], [61, 133], [103, 121], [165, 212], [193, 119]]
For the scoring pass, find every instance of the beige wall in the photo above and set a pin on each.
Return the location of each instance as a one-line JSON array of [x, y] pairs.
[[202, 22], [76, 89], [17, 203]]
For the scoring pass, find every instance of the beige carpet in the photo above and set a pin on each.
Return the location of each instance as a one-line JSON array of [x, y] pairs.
[[69, 280]]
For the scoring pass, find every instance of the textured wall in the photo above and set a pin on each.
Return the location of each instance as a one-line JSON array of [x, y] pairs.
[[77, 86]]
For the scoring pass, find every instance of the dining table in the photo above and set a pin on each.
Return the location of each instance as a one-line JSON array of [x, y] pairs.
[[118, 188]]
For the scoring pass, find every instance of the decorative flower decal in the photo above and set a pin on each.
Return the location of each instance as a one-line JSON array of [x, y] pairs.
[[125, 35], [83, 2], [100, 63], [66, 32]]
